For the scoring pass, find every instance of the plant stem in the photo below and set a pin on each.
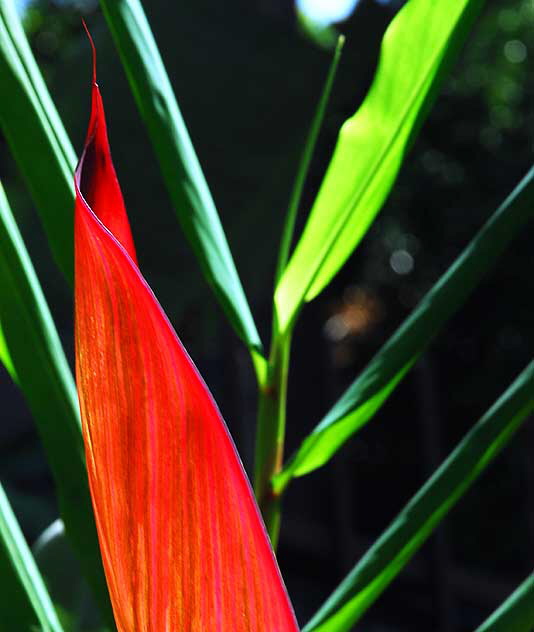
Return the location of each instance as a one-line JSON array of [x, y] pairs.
[[272, 375], [270, 433]]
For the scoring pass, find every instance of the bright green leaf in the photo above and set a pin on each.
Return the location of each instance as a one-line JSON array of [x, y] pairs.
[[420, 42], [180, 167], [367, 393], [5, 358], [46, 381], [516, 614], [410, 529], [36, 137], [24, 600]]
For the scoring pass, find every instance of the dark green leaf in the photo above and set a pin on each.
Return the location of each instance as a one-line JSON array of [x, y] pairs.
[[296, 194], [180, 167], [24, 599], [367, 393], [46, 382], [68, 589], [516, 614], [37, 138], [392, 551]]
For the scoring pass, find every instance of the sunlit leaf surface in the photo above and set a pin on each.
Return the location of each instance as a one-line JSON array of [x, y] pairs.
[[183, 545], [420, 42], [5, 357]]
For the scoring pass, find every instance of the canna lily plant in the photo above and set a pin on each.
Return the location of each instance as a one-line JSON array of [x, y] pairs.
[[152, 494], [183, 543]]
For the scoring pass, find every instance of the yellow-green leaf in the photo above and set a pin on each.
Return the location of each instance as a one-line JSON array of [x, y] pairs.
[[418, 46]]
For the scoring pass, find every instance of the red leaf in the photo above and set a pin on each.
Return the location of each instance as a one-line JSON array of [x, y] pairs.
[[183, 544]]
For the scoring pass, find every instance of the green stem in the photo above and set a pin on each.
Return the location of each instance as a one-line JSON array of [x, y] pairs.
[[271, 433], [272, 374]]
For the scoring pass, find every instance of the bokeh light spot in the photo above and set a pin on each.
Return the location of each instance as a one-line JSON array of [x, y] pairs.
[[326, 11], [515, 51], [401, 262]]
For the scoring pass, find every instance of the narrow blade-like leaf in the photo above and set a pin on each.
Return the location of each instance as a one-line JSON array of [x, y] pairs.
[[65, 581], [410, 529], [180, 167], [516, 614], [422, 39], [304, 165], [182, 540], [16, 31], [373, 386], [45, 379], [24, 600], [36, 136]]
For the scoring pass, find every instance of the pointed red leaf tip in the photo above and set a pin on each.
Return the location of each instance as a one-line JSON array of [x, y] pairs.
[[183, 544]]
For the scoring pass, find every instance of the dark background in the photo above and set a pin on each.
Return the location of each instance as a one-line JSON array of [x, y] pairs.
[[247, 81]]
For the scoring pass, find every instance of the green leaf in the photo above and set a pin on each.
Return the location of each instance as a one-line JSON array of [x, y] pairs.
[[36, 137], [5, 358], [395, 547], [420, 42], [180, 167], [46, 381], [24, 600], [516, 614], [304, 165], [68, 589], [18, 36], [368, 392]]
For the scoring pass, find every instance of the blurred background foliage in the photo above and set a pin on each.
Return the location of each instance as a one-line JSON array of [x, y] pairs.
[[247, 77]]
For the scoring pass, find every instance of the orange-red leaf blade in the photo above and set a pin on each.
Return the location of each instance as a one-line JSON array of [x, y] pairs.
[[183, 545]]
